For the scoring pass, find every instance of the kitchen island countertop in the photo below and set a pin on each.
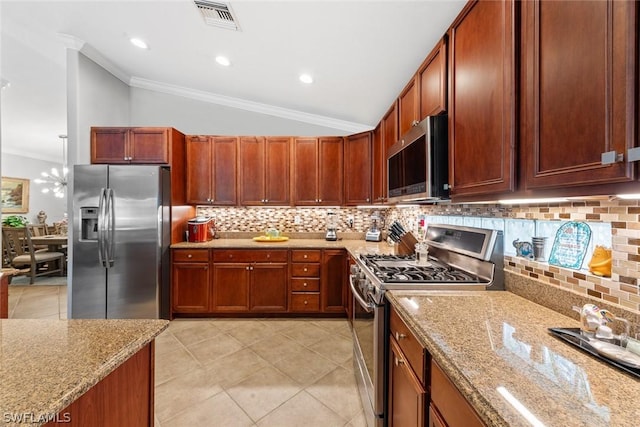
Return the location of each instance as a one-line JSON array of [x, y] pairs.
[[45, 365], [495, 346]]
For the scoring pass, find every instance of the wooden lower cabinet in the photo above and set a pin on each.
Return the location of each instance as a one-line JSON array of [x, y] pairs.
[[407, 396], [122, 398], [268, 287], [230, 287], [305, 280], [449, 403], [190, 279], [333, 277]]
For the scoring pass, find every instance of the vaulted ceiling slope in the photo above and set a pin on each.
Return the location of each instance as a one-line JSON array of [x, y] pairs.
[[360, 54]]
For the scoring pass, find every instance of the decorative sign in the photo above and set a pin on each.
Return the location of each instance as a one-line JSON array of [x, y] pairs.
[[570, 245]]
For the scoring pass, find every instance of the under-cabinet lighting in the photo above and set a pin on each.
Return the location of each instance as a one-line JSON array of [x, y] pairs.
[[628, 196], [407, 206], [139, 43], [374, 207], [520, 407], [532, 201]]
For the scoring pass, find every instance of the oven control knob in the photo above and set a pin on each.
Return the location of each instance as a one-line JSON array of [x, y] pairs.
[[370, 288], [354, 269]]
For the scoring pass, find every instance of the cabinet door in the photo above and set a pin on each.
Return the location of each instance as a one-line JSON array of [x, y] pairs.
[[305, 171], [224, 170], [435, 420], [406, 394], [482, 103], [408, 106], [268, 291], [331, 164], [277, 171], [252, 170], [577, 91], [190, 288], [357, 169], [149, 145], [432, 75], [379, 187], [333, 277], [199, 169], [390, 128], [230, 287], [109, 145], [451, 405]]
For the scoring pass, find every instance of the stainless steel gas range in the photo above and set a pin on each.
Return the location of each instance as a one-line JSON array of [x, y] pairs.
[[460, 258]]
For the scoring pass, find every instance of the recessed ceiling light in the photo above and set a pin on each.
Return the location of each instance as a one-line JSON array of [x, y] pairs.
[[306, 78], [139, 43], [223, 60]]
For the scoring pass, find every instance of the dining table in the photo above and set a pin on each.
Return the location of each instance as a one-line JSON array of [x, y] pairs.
[[54, 242]]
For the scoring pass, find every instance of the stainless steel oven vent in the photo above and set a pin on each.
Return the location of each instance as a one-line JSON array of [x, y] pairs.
[[217, 14]]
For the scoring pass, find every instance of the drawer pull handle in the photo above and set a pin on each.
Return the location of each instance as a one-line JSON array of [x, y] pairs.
[[399, 361], [400, 336]]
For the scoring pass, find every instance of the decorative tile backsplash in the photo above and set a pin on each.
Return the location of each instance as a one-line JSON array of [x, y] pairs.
[[614, 223]]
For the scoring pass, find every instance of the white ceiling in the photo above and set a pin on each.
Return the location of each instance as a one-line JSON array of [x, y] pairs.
[[360, 53]]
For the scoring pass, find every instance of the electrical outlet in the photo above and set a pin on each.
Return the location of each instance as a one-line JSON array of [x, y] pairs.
[[350, 220], [297, 220]]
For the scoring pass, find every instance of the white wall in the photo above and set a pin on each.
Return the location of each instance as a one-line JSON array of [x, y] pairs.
[[193, 117], [24, 167]]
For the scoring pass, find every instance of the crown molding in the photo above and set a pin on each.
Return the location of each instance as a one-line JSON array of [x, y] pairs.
[[71, 42], [94, 55], [242, 104]]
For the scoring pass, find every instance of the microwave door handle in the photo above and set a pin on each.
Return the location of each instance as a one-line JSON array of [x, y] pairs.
[[365, 305]]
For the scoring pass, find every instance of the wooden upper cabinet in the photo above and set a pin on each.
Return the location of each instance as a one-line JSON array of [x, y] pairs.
[[357, 169], [432, 78], [211, 170], [316, 172], [482, 103], [264, 170], [390, 133], [379, 167], [409, 106], [578, 85], [121, 145]]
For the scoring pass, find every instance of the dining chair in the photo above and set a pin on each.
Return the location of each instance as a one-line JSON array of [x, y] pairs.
[[20, 252], [38, 229]]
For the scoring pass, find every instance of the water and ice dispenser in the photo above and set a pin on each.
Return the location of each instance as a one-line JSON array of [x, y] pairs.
[[89, 223]]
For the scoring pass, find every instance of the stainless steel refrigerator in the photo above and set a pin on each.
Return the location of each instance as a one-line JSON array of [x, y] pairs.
[[121, 237]]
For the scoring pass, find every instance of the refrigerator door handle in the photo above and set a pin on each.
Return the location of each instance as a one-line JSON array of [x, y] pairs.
[[101, 226], [111, 228]]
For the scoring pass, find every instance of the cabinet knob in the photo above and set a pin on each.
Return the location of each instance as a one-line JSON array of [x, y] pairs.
[[305, 255], [400, 336], [246, 268], [268, 255], [306, 302], [399, 361], [189, 256], [266, 200], [320, 200], [305, 269], [304, 284], [367, 199]]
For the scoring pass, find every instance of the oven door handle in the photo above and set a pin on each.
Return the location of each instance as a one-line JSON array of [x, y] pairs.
[[368, 307]]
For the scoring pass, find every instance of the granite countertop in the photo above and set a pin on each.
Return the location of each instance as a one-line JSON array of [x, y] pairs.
[[45, 365], [491, 341], [352, 245]]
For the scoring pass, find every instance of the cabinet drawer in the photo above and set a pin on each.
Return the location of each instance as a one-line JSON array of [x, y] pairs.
[[450, 403], [409, 344], [312, 255], [305, 270], [305, 302], [190, 255], [250, 255], [305, 285]]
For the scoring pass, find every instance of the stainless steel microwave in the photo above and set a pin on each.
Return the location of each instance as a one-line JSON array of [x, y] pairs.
[[418, 165]]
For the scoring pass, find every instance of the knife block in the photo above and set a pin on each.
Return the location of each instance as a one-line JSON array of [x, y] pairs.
[[407, 244]]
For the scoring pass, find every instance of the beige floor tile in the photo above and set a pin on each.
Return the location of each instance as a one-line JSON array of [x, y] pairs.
[[208, 351], [166, 342], [305, 366], [338, 391], [172, 364], [276, 347], [263, 391], [306, 334], [184, 391], [231, 324], [217, 411], [36, 307], [179, 324], [196, 333], [337, 348], [235, 367], [358, 421], [302, 409], [250, 332], [336, 326], [277, 325]]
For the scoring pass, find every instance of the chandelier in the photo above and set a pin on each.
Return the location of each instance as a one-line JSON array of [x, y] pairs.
[[56, 182]]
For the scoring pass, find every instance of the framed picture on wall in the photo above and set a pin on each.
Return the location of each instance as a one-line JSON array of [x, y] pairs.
[[15, 195]]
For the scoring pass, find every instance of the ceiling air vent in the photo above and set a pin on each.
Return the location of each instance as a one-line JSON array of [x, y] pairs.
[[217, 14]]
